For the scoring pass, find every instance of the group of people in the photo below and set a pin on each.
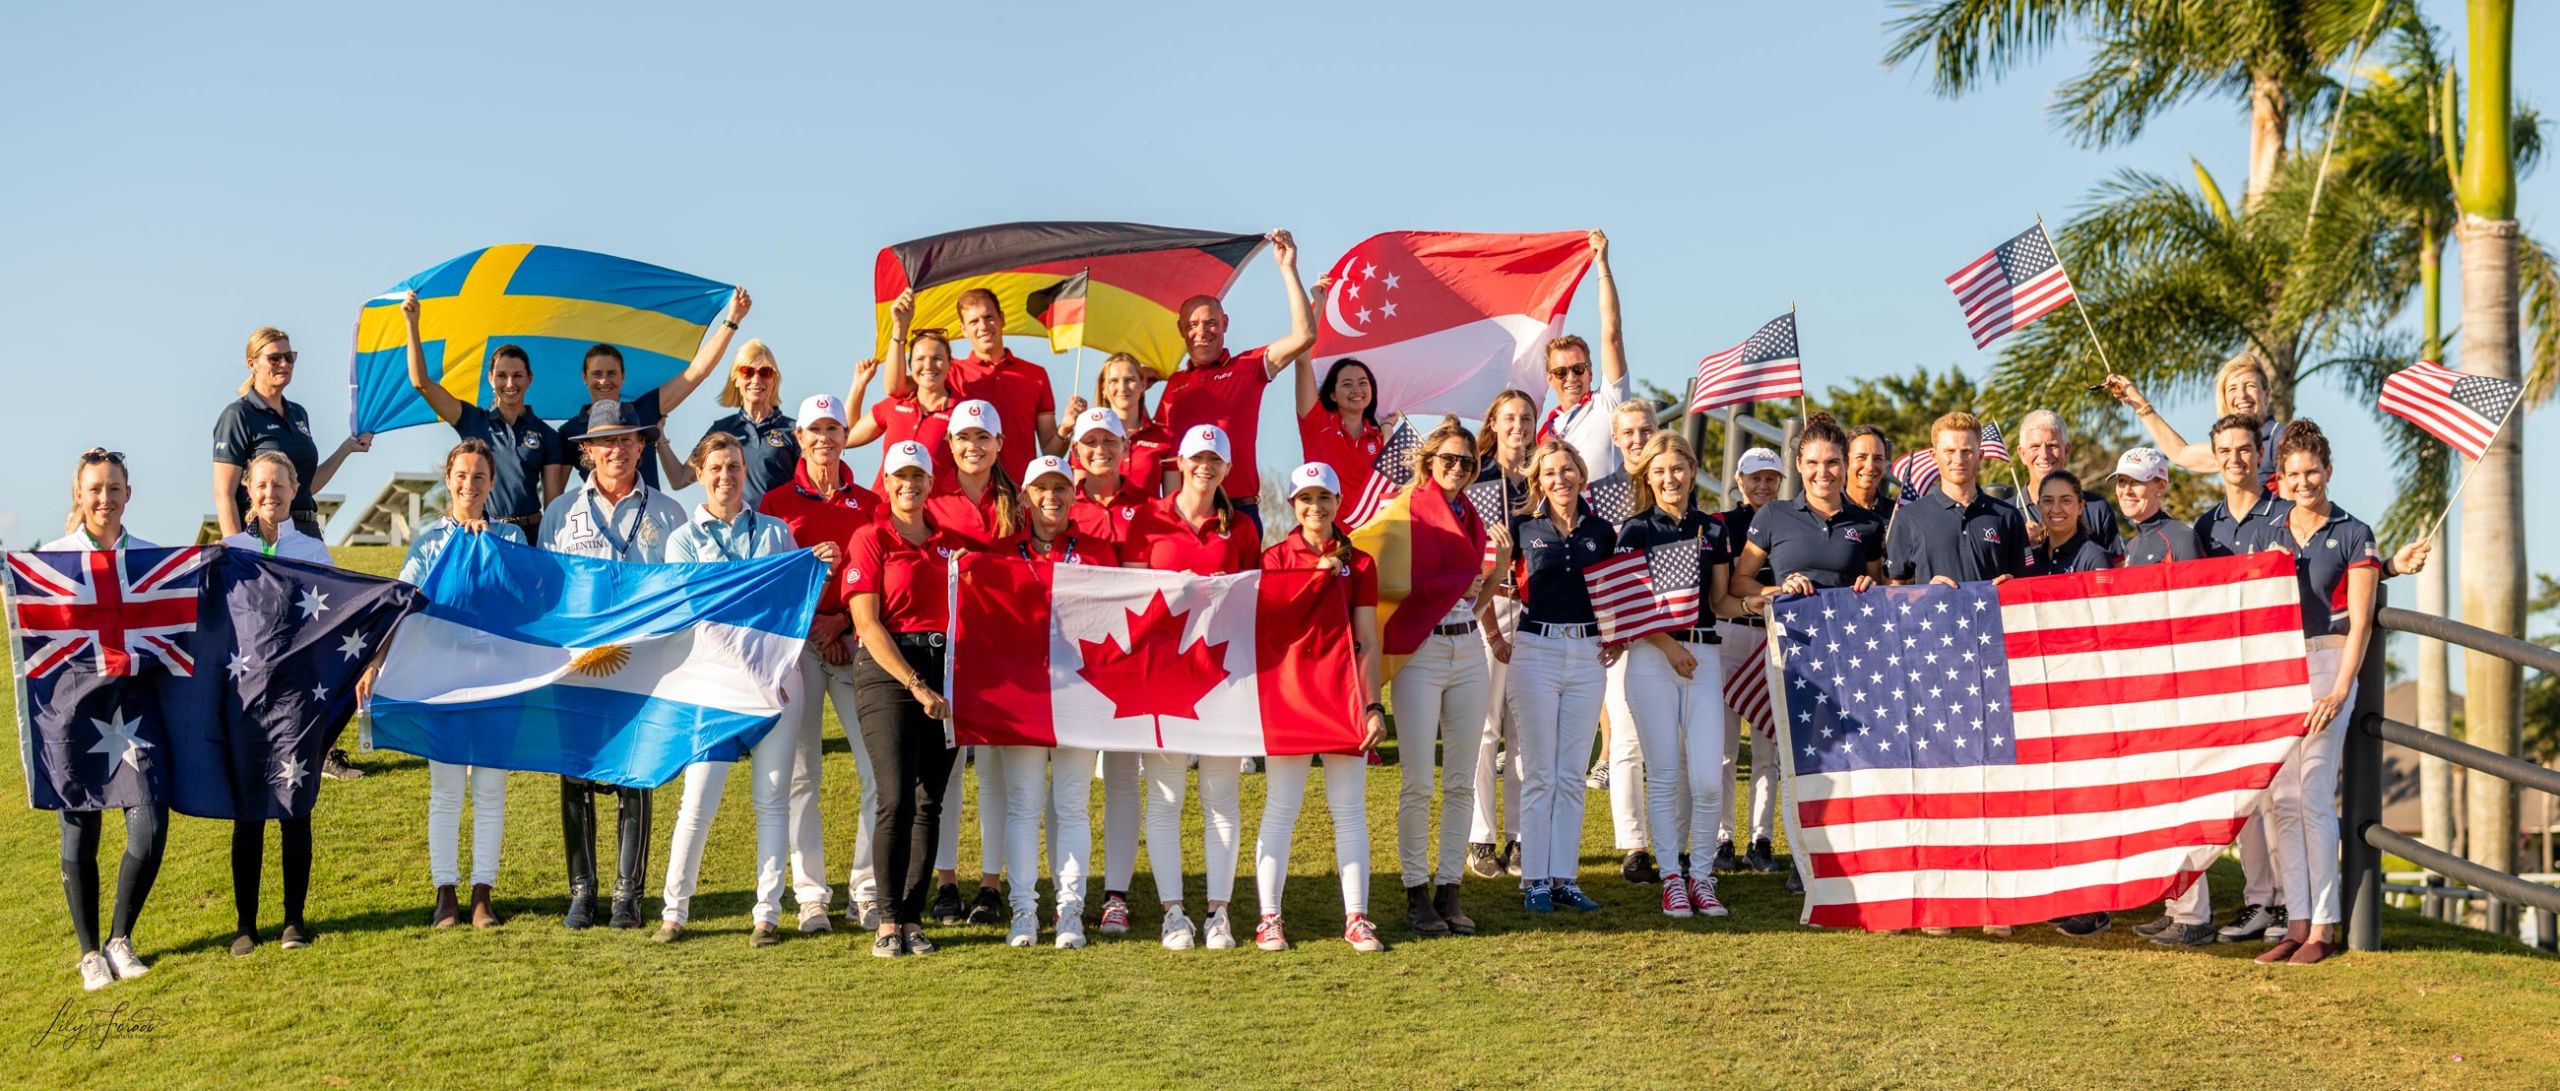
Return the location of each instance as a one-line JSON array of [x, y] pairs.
[[1508, 695]]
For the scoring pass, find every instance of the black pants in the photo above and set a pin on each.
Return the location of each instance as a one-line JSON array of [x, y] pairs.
[[146, 833], [912, 766], [248, 854]]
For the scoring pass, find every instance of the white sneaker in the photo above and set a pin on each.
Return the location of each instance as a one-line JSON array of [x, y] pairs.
[[1070, 931], [1221, 936], [94, 974], [123, 961], [868, 915], [1026, 929], [1177, 930]]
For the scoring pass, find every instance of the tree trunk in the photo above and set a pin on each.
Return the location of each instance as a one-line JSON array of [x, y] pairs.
[[2270, 112], [2493, 557]]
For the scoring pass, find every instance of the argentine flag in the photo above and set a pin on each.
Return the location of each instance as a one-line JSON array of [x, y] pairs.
[[623, 673]]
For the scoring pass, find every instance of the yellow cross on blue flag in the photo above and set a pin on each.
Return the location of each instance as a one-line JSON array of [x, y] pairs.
[[551, 301]]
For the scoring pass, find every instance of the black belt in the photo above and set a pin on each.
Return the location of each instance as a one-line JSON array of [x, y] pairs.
[[1459, 629], [1695, 636], [1559, 630], [917, 640], [1753, 620], [531, 525]]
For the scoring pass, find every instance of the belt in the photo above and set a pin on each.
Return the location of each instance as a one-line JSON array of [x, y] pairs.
[[1695, 636], [529, 524], [1558, 631], [1753, 620], [917, 640], [2332, 640], [1459, 629]]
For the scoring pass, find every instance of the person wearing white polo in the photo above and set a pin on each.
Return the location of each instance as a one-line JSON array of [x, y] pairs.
[[1580, 411]]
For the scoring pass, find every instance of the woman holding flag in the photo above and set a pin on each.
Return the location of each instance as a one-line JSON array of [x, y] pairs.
[[769, 440], [264, 421], [1196, 530], [1057, 780], [976, 503], [100, 488], [1558, 673], [1315, 494], [722, 528], [1502, 477], [919, 409], [2239, 389], [1675, 693], [895, 580], [1442, 691], [1106, 501], [271, 530]]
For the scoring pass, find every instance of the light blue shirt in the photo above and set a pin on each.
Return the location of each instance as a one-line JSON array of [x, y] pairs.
[[751, 534], [430, 544], [581, 524]]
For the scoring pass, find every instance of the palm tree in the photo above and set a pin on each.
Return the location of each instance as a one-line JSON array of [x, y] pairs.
[[2150, 55]]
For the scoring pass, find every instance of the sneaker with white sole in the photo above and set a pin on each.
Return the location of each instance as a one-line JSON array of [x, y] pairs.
[[1177, 930], [864, 915], [1361, 934], [1598, 779], [1268, 935], [1702, 896], [1218, 934], [2249, 923], [1071, 931], [123, 961], [1115, 915], [1675, 898], [813, 918], [94, 974], [1026, 929]]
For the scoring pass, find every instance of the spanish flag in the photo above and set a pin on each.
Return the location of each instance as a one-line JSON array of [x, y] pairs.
[[1133, 277], [1428, 554]]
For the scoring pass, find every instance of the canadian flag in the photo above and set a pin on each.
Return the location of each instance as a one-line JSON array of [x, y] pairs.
[[1132, 659], [1445, 319]]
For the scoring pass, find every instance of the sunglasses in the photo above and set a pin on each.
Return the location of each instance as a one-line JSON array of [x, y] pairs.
[[756, 371], [1574, 371], [1461, 462], [100, 454], [281, 357]]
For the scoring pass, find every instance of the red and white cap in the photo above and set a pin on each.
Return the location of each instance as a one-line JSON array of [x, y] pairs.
[[1100, 418], [976, 414], [2143, 464], [906, 455], [1314, 475], [1206, 438], [1045, 466], [818, 407]]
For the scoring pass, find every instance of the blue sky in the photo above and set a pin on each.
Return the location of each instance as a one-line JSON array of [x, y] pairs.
[[184, 176]]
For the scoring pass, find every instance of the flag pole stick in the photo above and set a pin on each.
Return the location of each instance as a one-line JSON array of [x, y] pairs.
[[2467, 471], [2330, 147], [1076, 387], [2083, 308], [1804, 400]]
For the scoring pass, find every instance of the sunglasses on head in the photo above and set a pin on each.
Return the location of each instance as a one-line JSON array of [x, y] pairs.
[[281, 357], [101, 454]]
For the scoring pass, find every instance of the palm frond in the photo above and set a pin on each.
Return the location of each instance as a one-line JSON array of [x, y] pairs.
[[2538, 279], [1966, 44]]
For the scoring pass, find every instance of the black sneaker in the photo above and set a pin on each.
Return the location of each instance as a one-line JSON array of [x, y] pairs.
[[1482, 862], [2155, 926], [337, 767], [1795, 882], [988, 907], [1640, 868], [1762, 856], [295, 938], [244, 944], [2085, 924], [946, 904], [1724, 860]]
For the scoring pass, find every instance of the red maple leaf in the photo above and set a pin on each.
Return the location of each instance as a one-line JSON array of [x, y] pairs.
[[1154, 676]]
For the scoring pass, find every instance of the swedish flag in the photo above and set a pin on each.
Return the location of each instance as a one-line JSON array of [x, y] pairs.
[[552, 301]]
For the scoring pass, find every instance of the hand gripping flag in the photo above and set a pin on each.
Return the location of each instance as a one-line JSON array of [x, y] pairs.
[[1445, 319], [93, 634], [603, 670], [1428, 553], [1134, 276], [551, 301], [1977, 755], [1130, 659], [2461, 409], [279, 645], [1640, 592]]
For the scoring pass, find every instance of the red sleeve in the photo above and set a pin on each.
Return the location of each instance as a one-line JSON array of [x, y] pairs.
[[879, 412], [1364, 580], [865, 561]]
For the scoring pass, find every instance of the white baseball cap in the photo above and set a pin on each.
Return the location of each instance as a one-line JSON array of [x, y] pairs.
[[906, 455], [1206, 437], [1100, 417], [1759, 460], [1045, 465], [976, 414], [1314, 475], [2143, 464], [818, 407]]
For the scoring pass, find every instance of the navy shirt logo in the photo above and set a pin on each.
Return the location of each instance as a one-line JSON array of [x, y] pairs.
[[776, 439], [531, 441]]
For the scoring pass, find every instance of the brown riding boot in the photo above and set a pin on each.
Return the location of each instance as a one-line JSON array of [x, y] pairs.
[[483, 915], [448, 912]]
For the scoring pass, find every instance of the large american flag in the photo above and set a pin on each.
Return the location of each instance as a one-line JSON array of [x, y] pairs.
[[1978, 755], [2457, 407], [1763, 367], [122, 607], [1389, 474], [2018, 282], [1640, 592]]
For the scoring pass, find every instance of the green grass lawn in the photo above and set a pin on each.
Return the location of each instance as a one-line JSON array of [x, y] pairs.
[[1624, 997]]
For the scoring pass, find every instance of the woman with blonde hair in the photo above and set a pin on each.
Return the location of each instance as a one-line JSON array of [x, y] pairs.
[[272, 488], [1675, 691], [1558, 672], [768, 438], [1121, 386], [2240, 387], [1502, 455], [263, 420]]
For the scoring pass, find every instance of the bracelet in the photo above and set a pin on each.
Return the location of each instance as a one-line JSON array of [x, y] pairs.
[[729, 322], [1375, 706]]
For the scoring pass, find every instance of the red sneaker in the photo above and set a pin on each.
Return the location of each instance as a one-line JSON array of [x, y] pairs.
[[1115, 916], [1268, 936], [1675, 898], [1702, 895], [1362, 935]]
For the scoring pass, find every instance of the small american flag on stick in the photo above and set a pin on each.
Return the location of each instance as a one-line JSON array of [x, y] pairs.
[[1389, 474], [1994, 446], [2019, 281], [2462, 409], [1640, 592], [1764, 367]]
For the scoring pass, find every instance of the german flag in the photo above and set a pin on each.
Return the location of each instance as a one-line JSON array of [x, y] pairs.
[[1134, 276], [1060, 307]]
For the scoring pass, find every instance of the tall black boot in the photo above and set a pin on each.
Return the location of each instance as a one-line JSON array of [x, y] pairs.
[[631, 863], [578, 835]]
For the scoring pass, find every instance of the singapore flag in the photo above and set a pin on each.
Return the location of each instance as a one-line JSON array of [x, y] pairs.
[[1446, 320]]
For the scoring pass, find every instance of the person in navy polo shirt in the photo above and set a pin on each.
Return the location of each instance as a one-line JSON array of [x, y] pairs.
[[2059, 506], [1756, 478], [1580, 412], [263, 420], [2044, 445], [1674, 693], [1619, 768], [1558, 673], [532, 464], [1870, 466], [1018, 388], [1956, 533], [603, 373], [1221, 388], [767, 438], [2142, 483]]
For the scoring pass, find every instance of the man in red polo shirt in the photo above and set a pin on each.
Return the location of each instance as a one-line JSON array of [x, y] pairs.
[[1018, 388], [1225, 389]]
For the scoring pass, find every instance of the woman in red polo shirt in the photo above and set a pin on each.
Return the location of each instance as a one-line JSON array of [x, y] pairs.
[[1105, 502], [1121, 387], [975, 503], [919, 409], [1315, 493], [1338, 420], [894, 581], [1034, 776], [1196, 530]]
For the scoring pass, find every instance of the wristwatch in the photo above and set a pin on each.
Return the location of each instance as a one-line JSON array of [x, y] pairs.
[[1376, 707]]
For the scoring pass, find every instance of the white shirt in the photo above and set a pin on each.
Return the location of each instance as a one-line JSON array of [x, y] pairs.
[[581, 524], [291, 544], [1587, 426], [78, 542]]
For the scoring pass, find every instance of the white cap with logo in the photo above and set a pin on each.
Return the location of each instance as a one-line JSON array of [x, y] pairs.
[[976, 414], [1206, 438], [818, 407], [1100, 418], [906, 455], [1045, 466], [2143, 464], [1759, 460], [1314, 475]]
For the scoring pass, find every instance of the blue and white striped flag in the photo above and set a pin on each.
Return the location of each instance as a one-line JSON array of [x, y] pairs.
[[622, 673]]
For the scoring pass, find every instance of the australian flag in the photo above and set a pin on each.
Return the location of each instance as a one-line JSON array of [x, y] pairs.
[[95, 634], [278, 645]]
